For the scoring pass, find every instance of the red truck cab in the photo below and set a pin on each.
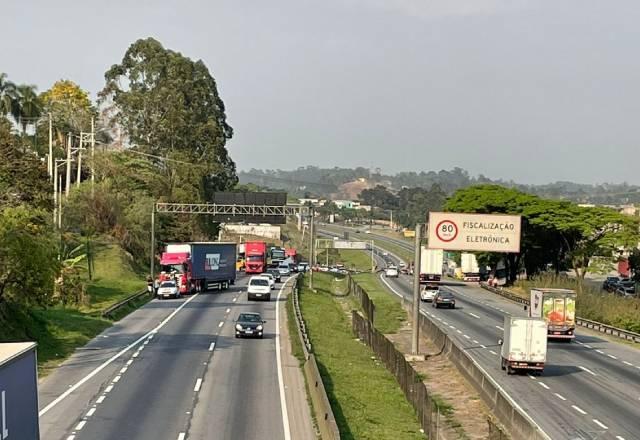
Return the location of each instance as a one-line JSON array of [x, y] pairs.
[[255, 257], [291, 253], [176, 266]]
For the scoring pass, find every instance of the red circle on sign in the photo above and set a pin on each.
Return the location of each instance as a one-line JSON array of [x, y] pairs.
[[447, 236]]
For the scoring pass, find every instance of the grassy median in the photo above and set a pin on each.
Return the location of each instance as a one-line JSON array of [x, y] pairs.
[[366, 400]]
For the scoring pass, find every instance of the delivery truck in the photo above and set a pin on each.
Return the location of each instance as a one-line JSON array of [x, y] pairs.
[[524, 344], [199, 266], [18, 391], [431, 261], [558, 308], [255, 257], [469, 266]]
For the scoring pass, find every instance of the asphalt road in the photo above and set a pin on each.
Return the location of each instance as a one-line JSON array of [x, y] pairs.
[[590, 388], [186, 377]]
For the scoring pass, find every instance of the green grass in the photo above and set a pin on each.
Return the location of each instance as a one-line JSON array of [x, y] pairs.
[[389, 313], [401, 252], [60, 330], [296, 343], [365, 398]]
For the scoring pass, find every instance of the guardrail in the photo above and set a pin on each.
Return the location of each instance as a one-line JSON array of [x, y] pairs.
[[587, 323], [321, 407], [109, 311]]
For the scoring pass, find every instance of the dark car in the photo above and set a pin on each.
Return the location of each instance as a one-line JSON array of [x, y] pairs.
[[625, 287], [250, 324], [445, 299], [276, 274], [610, 284]]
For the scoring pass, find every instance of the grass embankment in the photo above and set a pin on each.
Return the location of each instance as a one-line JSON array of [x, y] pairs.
[[592, 303], [365, 398], [60, 330]]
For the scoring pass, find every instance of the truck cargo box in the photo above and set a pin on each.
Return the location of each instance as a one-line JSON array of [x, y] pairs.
[[524, 345], [558, 308], [214, 261]]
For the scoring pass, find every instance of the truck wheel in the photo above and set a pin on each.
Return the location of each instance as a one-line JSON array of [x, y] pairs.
[[510, 370], [502, 363]]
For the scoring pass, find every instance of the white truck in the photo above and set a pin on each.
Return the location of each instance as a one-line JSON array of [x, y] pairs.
[[470, 268], [524, 344], [558, 308], [431, 261]]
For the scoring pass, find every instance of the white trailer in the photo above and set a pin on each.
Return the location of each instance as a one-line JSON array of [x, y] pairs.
[[524, 344], [470, 268], [431, 262]]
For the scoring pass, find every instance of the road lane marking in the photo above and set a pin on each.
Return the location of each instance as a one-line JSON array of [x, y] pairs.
[[499, 328], [228, 310], [235, 299], [467, 336], [578, 409], [123, 370], [221, 324], [493, 352], [451, 326], [80, 425], [71, 437], [619, 438], [459, 331], [198, 385], [483, 346], [116, 379], [612, 356], [90, 412], [600, 424], [588, 346], [531, 376], [389, 286], [543, 385], [599, 351], [475, 342], [627, 363], [101, 399], [101, 367], [580, 343], [559, 396], [108, 389], [474, 315], [283, 401], [129, 362], [182, 436], [212, 346], [587, 370], [136, 354]]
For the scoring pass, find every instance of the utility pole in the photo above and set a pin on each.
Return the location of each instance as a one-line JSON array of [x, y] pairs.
[[67, 188], [60, 204], [152, 258], [391, 220], [373, 265], [311, 248], [416, 291], [93, 151], [80, 159], [50, 162], [55, 194]]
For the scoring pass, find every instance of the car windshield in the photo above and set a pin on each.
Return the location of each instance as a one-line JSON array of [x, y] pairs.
[[284, 266], [168, 284], [249, 317], [259, 282], [445, 295], [255, 258]]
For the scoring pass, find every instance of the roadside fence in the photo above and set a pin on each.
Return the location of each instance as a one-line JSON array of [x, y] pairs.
[[111, 310]]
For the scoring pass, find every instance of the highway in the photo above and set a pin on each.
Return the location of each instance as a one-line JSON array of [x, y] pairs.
[[172, 370], [590, 388]]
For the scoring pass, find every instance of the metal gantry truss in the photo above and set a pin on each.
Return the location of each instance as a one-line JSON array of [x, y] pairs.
[[230, 210]]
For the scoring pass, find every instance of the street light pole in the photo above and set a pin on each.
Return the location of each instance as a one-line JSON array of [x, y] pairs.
[[93, 151], [311, 248], [416, 291], [152, 258], [50, 161], [68, 176], [80, 160]]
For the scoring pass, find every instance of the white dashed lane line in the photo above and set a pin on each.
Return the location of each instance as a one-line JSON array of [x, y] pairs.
[[108, 389], [182, 436], [198, 385], [600, 424], [90, 412], [543, 385], [212, 346], [474, 315], [80, 425], [101, 399], [559, 396], [221, 324], [467, 336], [499, 328], [578, 409], [587, 370], [475, 341], [493, 352], [627, 363], [612, 356]]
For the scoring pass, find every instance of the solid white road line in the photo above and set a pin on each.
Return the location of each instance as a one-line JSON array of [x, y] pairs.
[[389, 286], [101, 367], [600, 424], [578, 409], [543, 385], [212, 346], [90, 412], [101, 399], [80, 425], [198, 385], [283, 401], [559, 396], [587, 370]]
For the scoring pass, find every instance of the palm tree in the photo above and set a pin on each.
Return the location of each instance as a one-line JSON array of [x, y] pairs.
[[7, 95], [28, 105]]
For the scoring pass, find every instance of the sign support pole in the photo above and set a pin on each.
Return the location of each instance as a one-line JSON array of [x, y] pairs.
[[416, 291], [373, 265]]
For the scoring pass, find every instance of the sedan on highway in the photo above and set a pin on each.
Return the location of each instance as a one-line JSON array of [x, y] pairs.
[[284, 269], [249, 324], [429, 292], [444, 299], [391, 272], [276, 274], [168, 289], [270, 278], [258, 288], [610, 283]]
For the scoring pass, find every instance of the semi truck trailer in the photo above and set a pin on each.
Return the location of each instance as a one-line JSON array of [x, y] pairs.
[[431, 261]]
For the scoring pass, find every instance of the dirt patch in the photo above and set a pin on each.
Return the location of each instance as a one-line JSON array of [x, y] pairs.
[[467, 415]]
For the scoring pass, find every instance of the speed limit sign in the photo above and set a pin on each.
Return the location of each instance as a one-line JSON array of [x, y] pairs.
[[447, 230]]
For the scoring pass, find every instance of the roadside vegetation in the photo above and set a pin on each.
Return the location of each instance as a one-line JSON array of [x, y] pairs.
[[365, 398]]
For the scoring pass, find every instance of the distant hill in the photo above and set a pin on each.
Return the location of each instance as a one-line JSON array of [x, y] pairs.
[[348, 182]]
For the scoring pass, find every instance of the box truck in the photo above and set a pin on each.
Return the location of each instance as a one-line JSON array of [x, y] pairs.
[[558, 308], [469, 266], [199, 266], [431, 261], [18, 391], [256, 257], [524, 344]]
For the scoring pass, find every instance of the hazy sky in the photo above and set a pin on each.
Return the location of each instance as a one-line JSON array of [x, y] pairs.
[[534, 91]]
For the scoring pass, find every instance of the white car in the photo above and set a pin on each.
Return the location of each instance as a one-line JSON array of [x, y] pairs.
[[259, 288], [391, 272], [271, 278], [168, 289], [428, 293]]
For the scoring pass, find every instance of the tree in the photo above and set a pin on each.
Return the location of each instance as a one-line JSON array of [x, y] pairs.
[[70, 108], [27, 107], [7, 95], [379, 197], [169, 105], [28, 256], [416, 203], [23, 177]]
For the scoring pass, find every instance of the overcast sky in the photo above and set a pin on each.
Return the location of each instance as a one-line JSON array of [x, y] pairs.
[[534, 91]]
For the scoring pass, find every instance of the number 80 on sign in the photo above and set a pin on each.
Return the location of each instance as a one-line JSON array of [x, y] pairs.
[[447, 230]]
